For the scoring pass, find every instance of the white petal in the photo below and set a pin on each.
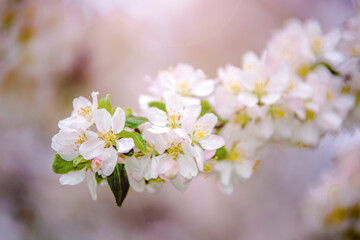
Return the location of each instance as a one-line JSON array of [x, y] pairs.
[[225, 170], [72, 178], [156, 129], [156, 116], [102, 119], [109, 158], [187, 166], [248, 99], [92, 148], [244, 169], [92, 185], [181, 133], [180, 184], [68, 153], [124, 145], [270, 98], [167, 166], [95, 104], [199, 156], [212, 142], [209, 154], [118, 120], [202, 89], [138, 186], [209, 120], [150, 167], [80, 102], [174, 103]]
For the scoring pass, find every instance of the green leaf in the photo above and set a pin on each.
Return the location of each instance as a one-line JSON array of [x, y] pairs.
[[128, 112], [62, 166], [221, 153], [205, 108], [159, 105], [98, 178], [105, 103], [138, 140], [119, 183], [133, 121], [79, 159]]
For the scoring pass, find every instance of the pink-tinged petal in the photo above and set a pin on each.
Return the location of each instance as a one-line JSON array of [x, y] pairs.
[[118, 120], [92, 148], [124, 145], [95, 103], [92, 185], [174, 103], [167, 167], [209, 120], [244, 169], [187, 166], [248, 99], [109, 161], [74, 122], [329, 121], [72, 178], [150, 167], [180, 184], [250, 58], [102, 119], [270, 98], [204, 88], [66, 137], [209, 154], [156, 116], [212, 142], [190, 115]]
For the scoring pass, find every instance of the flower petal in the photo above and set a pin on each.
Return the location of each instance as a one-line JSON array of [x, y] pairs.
[[156, 116], [102, 119], [212, 142], [180, 184], [245, 169], [248, 99], [92, 148], [270, 98], [92, 185], [118, 120], [124, 145], [203, 88], [208, 121], [187, 166], [174, 103], [72, 178], [109, 158]]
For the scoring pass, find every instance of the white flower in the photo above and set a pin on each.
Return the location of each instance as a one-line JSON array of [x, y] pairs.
[[263, 83], [68, 141], [105, 163], [82, 115], [108, 127], [172, 119], [186, 81]]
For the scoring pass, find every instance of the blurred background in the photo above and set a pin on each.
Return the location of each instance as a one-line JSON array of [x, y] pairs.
[[53, 51]]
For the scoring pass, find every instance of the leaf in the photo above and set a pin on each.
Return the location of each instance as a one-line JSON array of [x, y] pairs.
[[159, 105], [138, 140], [205, 108], [79, 159], [62, 166], [133, 121], [98, 178], [128, 112], [119, 183], [221, 153], [105, 103]]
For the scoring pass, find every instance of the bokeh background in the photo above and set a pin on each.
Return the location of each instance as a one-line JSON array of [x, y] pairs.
[[53, 51]]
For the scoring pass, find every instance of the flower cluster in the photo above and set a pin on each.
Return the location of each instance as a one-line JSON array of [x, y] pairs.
[[332, 208], [304, 85]]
